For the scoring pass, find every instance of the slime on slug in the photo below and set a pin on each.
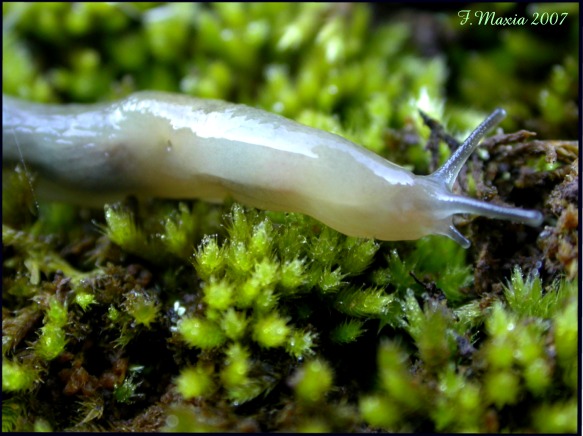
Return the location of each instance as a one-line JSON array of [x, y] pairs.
[[166, 145]]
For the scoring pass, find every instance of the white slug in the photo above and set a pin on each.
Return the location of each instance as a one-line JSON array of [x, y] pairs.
[[159, 144]]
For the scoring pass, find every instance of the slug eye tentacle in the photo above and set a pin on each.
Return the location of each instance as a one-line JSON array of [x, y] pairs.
[[470, 205], [449, 171]]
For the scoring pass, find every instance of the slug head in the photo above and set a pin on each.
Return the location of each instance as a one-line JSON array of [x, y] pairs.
[[447, 204]]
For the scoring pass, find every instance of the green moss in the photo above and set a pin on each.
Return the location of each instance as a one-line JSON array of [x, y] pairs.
[[394, 377], [113, 314], [347, 332], [218, 295], [526, 298], [122, 230], [126, 392], [556, 418], [209, 258], [565, 338], [292, 274], [17, 377], [168, 26], [234, 323], [235, 375], [201, 333], [180, 230], [142, 306], [301, 343], [52, 340], [195, 381], [313, 425], [271, 330], [42, 426], [84, 300], [12, 413], [312, 381], [379, 411], [364, 302], [18, 198], [329, 280], [433, 338], [501, 388], [459, 408]]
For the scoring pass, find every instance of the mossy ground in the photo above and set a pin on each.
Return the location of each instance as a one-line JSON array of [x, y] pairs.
[[186, 316]]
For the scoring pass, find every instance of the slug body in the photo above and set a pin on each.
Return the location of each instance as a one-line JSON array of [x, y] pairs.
[[173, 146]]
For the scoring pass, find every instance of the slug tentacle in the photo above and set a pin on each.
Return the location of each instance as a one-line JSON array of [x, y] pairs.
[[449, 171], [470, 205], [454, 234]]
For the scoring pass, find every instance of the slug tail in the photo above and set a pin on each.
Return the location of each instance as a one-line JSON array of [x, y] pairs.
[[450, 170]]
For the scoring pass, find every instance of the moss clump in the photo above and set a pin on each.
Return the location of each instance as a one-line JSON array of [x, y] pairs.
[[17, 377], [348, 331], [312, 381], [399, 397], [195, 381], [52, 340], [201, 333], [513, 359], [271, 331], [142, 306], [185, 316]]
